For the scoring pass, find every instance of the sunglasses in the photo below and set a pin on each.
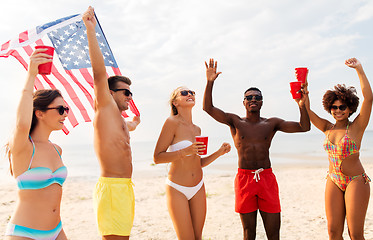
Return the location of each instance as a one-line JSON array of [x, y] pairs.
[[340, 107], [61, 109], [126, 92], [251, 97], [186, 92]]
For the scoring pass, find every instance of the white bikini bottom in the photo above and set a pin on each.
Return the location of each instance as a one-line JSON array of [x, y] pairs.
[[188, 192]]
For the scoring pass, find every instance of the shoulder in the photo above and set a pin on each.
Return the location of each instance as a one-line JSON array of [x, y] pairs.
[[171, 121], [197, 129], [273, 119], [232, 118], [59, 149]]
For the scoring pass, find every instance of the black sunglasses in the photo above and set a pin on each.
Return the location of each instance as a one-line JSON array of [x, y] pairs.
[[186, 92], [341, 107], [251, 97], [126, 92], [61, 109]]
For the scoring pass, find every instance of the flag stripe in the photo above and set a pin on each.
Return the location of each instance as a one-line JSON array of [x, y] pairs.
[[71, 68], [5, 45], [116, 71], [71, 117], [23, 36], [70, 91], [17, 56], [87, 76]]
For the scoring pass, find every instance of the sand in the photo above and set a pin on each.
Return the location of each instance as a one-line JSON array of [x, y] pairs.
[[301, 192]]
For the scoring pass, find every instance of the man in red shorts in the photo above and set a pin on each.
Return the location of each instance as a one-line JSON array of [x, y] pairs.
[[255, 184]]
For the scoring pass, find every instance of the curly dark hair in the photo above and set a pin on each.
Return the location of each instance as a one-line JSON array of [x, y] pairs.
[[346, 95]]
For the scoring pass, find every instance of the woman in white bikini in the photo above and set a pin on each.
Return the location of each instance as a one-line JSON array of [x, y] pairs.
[[185, 191]]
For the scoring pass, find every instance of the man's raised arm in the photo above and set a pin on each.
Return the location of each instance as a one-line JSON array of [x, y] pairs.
[[101, 85], [208, 107]]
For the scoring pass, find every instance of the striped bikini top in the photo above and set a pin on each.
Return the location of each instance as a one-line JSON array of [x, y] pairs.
[[41, 177], [344, 148]]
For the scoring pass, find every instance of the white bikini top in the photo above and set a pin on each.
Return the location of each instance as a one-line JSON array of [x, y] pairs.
[[179, 145]]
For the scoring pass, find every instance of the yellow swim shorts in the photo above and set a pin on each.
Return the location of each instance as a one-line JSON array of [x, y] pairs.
[[114, 204]]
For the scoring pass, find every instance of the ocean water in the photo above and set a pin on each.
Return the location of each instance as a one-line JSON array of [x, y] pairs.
[[290, 149]]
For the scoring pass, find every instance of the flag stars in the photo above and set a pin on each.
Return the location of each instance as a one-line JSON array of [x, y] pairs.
[[66, 32], [102, 44], [62, 38], [67, 59], [66, 46], [98, 35], [79, 42], [76, 63], [82, 37], [71, 53], [75, 47]]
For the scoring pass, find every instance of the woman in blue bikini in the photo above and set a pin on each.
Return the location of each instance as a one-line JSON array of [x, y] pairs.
[[35, 162], [186, 197]]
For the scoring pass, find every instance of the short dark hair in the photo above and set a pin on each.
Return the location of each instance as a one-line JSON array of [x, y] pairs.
[[346, 95], [252, 89], [114, 79]]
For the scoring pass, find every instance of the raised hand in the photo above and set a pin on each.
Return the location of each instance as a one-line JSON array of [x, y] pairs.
[[89, 18], [353, 63], [211, 73], [304, 91], [37, 58]]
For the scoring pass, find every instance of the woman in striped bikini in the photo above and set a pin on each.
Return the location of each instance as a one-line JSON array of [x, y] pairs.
[[347, 188], [35, 162]]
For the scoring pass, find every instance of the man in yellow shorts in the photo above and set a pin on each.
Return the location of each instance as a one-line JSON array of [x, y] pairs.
[[113, 196]]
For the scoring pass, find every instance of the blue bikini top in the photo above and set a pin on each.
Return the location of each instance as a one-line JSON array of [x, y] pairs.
[[41, 177]]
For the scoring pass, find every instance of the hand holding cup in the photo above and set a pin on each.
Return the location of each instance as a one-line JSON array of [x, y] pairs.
[[202, 144], [45, 68]]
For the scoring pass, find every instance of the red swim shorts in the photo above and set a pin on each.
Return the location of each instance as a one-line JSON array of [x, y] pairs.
[[256, 189]]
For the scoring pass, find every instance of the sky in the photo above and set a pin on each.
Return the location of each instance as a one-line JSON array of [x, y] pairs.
[[163, 44]]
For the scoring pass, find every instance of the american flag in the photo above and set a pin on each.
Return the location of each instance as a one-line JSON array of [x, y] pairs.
[[71, 69]]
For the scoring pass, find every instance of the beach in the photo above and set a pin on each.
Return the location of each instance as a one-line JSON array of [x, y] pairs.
[[301, 194]]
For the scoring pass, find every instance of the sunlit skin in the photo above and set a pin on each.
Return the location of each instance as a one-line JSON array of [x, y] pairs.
[[188, 216], [111, 131], [252, 136], [351, 204], [43, 203]]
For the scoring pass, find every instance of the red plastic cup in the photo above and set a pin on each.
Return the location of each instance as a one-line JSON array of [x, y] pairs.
[[46, 68], [203, 139], [301, 74], [295, 88]]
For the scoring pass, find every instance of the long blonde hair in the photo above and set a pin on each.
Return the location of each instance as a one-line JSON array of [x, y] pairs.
[[172, 99]]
